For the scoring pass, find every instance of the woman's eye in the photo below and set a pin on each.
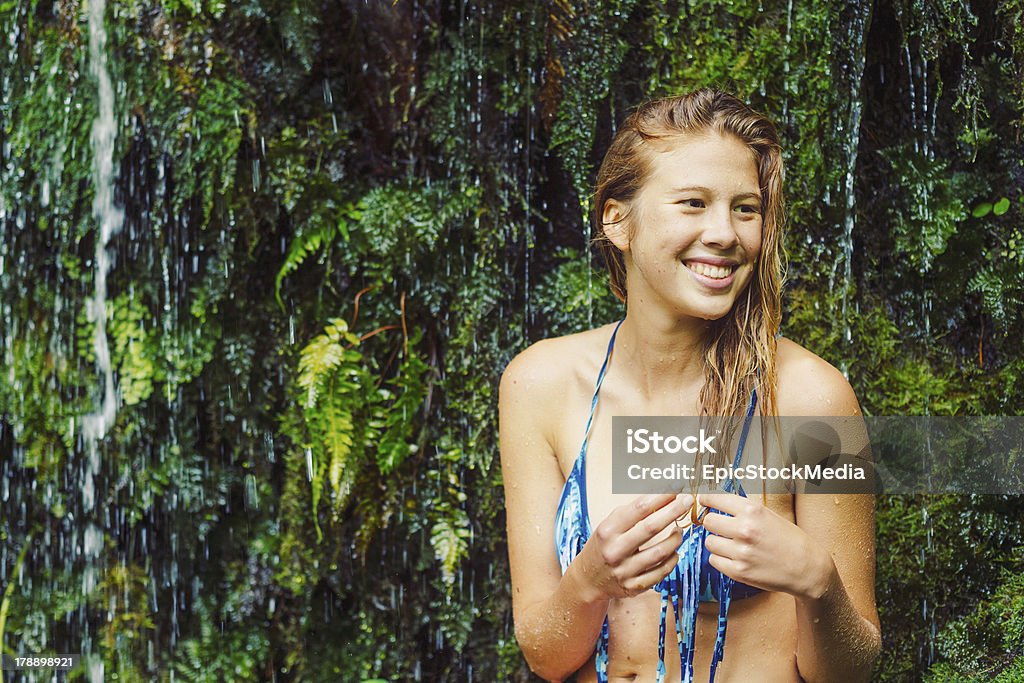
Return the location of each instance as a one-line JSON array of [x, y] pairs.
[[748, 209], [693, 203]]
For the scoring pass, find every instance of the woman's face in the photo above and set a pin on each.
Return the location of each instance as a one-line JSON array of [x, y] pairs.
[[696, 226]]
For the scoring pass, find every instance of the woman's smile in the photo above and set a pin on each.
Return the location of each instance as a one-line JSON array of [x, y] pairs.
[[712, 273]]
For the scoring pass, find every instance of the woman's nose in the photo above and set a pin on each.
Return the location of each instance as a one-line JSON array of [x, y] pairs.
[[718, 231]]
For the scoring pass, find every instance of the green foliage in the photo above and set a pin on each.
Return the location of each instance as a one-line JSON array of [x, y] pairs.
[[43, 428], [45, 119], [403, 397], [946, 673], [215, 8], [574, 293], [1012, 15], [923, 542], [326, 366], [124, 593], [218, 655], [449, 539], [315, 236], [451, 79], [930, 209], [591, 52], [988, 644], [437, 181], [1001, 287], [134, 351], [403, 228], [999, 280], [891, 379], [350, 416]]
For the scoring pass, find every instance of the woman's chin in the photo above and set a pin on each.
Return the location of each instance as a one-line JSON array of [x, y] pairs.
[[711, 317], [703, 314], [710, 310]]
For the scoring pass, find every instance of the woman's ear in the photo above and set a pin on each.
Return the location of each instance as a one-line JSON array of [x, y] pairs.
[[616, 227]]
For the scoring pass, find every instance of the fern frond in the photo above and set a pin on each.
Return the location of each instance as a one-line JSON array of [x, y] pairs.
[[338, 441], [311, 240], [318, 358], [396, 417], [448, 537]]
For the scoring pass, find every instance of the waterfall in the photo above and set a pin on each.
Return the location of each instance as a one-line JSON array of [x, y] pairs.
[[108, 219], [850, 74]]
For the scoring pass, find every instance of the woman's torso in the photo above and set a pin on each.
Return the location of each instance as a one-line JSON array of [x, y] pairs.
[[761, 637]]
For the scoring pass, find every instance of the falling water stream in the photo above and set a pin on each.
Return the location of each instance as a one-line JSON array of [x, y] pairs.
[[852, 73], [108, 220]]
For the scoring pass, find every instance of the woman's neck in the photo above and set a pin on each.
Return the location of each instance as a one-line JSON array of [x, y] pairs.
[[661, 356]]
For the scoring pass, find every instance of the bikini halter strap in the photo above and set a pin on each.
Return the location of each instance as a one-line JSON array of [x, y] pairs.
[[600, 380]]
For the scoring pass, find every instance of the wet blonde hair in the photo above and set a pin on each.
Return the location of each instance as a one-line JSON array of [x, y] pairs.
[[740, 347]]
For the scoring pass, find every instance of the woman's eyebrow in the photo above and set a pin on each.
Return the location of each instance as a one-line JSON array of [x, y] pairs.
[[706, 190], [692, 188]]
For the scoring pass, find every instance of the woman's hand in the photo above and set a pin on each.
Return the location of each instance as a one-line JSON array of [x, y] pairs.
[[621, 558], [760, 548]]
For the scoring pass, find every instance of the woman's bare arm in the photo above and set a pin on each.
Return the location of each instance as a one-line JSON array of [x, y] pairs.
[[826, 560], [839, 636], [556, 622], [558, 618]]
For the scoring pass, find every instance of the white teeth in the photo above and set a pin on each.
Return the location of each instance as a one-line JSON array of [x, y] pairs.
[[714, 272]]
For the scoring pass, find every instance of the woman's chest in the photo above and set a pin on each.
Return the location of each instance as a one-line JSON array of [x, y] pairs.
[[606, 471]]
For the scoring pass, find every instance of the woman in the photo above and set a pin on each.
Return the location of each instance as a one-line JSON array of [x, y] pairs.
[[688, 213]]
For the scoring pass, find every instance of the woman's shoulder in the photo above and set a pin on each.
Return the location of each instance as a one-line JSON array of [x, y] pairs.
[[808, 385], [548, 381], [553, 364]]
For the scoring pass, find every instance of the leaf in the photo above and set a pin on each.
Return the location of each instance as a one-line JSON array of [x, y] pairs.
[[338, 441], [448, 536], [331, 377], [317, 359], [395, 443], [1001, 207], [982, 210], [318, 232], [301, 247]]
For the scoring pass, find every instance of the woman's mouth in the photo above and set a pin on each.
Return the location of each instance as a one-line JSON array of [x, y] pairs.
[[713, 276]]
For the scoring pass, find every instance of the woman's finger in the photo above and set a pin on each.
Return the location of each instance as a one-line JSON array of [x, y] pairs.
[[722, 525], [654, 524], [729, 567], [651, 577], [726, 502], [649, 559], [721, 546], [625, 517]]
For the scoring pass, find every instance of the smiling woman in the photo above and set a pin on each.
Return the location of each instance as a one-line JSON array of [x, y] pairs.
[[712, 225], [688, 214]]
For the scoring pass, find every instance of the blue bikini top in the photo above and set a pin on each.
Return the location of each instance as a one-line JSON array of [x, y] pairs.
[[691, 581]]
